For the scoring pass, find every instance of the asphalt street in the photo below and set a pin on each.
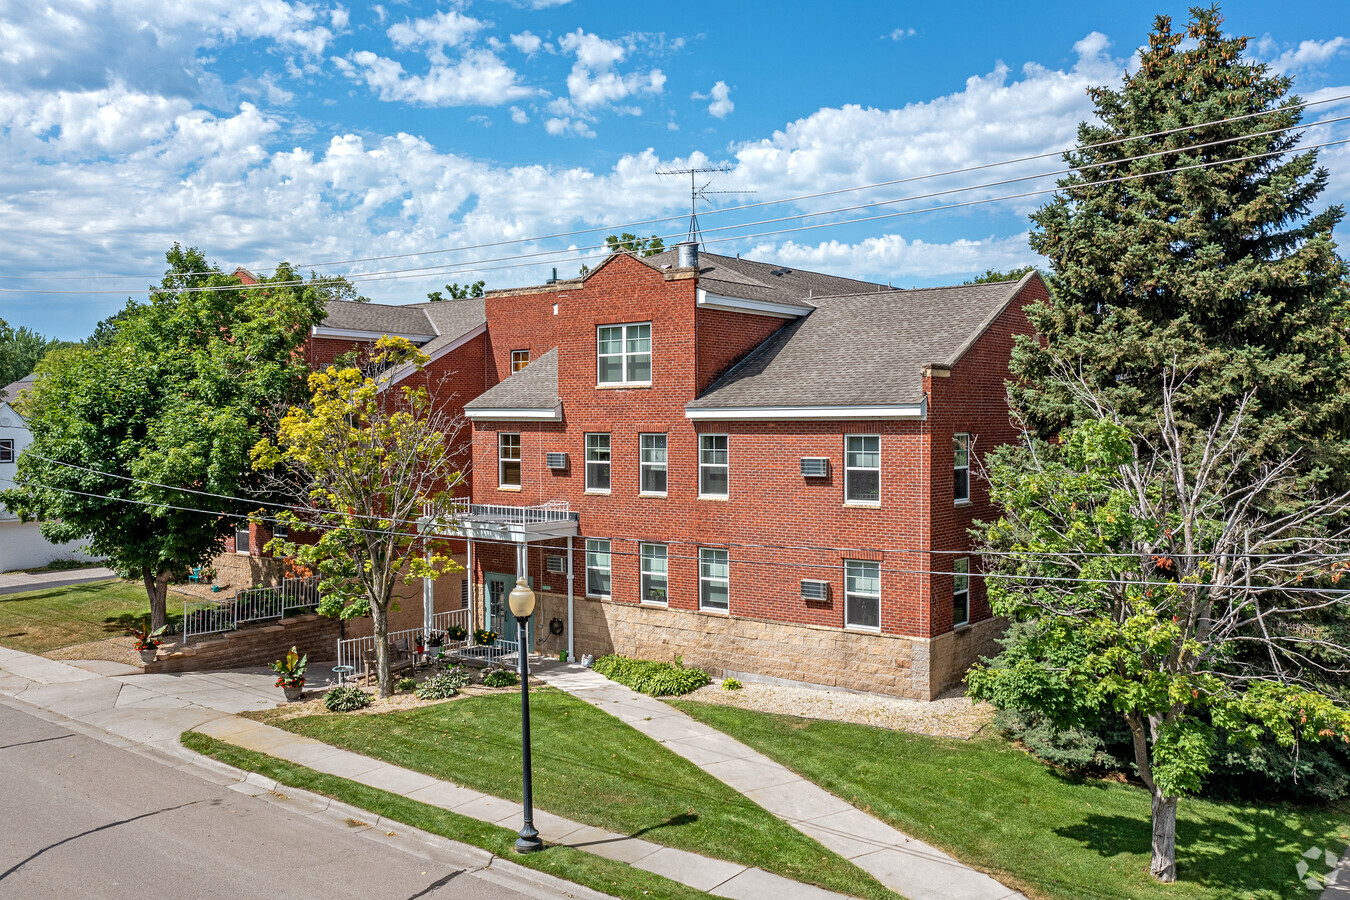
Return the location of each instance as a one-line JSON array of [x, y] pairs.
[[82, 819]]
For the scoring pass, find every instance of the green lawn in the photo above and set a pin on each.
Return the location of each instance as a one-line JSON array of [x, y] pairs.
[[994, 807], [592, 768], [610, 877], [38, 621]]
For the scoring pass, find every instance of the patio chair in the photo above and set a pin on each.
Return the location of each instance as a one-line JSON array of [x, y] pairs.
[[400, 658], [195, 577]]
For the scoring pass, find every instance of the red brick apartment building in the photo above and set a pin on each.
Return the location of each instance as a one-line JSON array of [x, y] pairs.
[[762, 470]]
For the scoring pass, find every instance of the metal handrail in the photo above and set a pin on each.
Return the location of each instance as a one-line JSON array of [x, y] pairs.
[[260, 604]]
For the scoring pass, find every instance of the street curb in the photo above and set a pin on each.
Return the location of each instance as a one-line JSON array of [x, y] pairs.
[[482, 863]]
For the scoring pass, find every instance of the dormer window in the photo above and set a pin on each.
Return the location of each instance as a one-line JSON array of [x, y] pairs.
[[624, 354]]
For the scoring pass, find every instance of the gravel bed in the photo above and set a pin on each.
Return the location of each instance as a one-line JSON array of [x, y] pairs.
[[950, 717], [114, 649]]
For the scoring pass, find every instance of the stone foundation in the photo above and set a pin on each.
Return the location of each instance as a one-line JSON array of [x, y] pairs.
[[915, 668]]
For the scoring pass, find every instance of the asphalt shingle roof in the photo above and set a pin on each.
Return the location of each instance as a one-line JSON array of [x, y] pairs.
[[10, 392], [748, 279], [533, 387], [382, 318], [861, 350], [452, 319]]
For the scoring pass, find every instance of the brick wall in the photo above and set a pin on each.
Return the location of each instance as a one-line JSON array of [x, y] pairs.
[[257, 646]]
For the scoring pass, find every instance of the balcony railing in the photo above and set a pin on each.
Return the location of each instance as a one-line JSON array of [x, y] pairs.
[[501, 514]]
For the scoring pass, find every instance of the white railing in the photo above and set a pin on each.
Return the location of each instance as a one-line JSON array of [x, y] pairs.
[[502, 514], [254, 605], [351, 651]]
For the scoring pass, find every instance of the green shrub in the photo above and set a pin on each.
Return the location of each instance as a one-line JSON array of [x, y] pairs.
[[501, 678], [458, 677], [346, 699], [731, 684], [405, 684], [439, 687], [659, 679]]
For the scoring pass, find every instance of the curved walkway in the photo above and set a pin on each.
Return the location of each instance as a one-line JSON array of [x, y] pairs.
[[905, 865]]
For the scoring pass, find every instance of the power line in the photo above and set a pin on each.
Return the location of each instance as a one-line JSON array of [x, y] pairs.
[[816, 195], [420, 273]]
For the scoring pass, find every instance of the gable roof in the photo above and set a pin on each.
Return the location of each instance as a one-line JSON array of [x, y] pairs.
[[379, 318], [533, 388], [861, 350], [748, 279], [10, 392]]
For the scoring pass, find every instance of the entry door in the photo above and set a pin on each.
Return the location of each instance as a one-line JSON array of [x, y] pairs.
[[498, 611]]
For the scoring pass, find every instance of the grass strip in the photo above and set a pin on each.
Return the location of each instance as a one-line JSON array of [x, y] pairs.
[[69, 614], [591, 768], [995, 807], [605, 875]]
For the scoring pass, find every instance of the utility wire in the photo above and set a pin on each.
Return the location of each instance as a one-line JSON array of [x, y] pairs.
[[837, 191]]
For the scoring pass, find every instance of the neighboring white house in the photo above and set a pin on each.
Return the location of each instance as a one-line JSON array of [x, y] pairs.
[[22, 545]]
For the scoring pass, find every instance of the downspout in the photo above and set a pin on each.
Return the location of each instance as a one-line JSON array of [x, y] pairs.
[[571, 648]]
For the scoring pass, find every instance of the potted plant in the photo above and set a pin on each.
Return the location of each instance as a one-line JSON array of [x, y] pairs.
[[456, 632], [434, 640], [290, 671], [147, 641], [484, 638]]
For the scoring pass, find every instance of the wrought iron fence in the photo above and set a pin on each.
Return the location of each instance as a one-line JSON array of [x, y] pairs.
[[209, 616]]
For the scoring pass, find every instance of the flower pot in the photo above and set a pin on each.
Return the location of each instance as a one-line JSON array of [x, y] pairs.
[[294, 693], [148, 656]]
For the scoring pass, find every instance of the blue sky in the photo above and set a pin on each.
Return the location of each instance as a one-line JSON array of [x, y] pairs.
[[319, 133]]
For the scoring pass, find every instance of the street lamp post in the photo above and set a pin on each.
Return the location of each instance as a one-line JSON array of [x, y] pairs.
[[521, 601]]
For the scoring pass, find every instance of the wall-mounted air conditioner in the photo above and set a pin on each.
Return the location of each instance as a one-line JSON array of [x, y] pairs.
[[815, 467], [815, 590], [555, 563], [556, 460]]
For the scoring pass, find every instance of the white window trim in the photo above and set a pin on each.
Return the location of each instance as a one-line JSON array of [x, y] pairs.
[[702, 466], [961, 501], [642, 575], [609, 569], [8, 445], [514, 368], [623, 355], [847, 468], [874, 629], [502, 460], [702, 579], [643, 464], [586, 461], [248, 540], [956, 574]]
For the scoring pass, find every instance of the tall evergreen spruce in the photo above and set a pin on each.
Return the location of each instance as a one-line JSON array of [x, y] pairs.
[[1227, 269]]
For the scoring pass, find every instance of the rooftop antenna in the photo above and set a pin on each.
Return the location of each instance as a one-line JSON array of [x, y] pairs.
[[697, 192]]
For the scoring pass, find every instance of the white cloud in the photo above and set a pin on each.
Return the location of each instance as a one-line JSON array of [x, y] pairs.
[[720, 95], [527, 42], [448, 28], [1307, 55], [891, 255], [900, 34], [593, 81], [519, 116], [479, 78]]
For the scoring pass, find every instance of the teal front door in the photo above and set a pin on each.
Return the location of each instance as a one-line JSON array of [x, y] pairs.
[[497, 613]]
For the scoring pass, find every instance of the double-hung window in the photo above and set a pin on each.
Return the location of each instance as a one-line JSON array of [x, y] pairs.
[[7, 450], [508, 460], [624, 354], [519, 360], [713, 579], [597, 462], [960, 591], [653, 463], [654, 573], [961, 468], [241, 538], [597, 568], [281, 531], [712, 465], [862, 594], [862, 468]]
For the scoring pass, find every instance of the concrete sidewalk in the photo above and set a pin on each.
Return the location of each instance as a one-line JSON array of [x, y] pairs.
[[20, 582], [151, 711], [906, 865]]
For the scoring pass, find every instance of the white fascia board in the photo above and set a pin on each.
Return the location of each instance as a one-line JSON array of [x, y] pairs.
[[358, 335], [754, 307], [835, 413], [403, 372], [537, 414]]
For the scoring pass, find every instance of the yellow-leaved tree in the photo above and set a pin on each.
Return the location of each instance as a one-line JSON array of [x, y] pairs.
[[363, 460]]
